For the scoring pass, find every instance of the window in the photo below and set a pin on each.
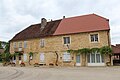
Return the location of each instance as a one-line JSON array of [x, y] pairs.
[[25, 57], [42, 43], [25, 44], [95, 58], [92, 58], [20, 45], [66, 57], [42, 57], [94, 37], [66, 40], [77, 58], [14, 44]]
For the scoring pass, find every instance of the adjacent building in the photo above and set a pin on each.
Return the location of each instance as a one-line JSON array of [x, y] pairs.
[[49, 41], [116, 54]]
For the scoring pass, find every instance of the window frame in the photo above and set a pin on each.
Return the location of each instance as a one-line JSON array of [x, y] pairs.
[[42, 57], [66, 57], [15, 44], [94, 40], [63, 41], [25, 44], [90, 59], [25, 57], [19, 44]]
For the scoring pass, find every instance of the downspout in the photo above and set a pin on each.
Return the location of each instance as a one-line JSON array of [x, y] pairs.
[[56, 62], [109, 44]]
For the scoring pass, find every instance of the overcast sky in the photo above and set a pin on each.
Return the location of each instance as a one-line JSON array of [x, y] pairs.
[[16, 15]]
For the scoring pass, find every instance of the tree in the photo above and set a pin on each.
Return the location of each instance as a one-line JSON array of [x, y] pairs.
[[106, 50], [1, 45], [84, 52], [6, 57], [7, 47]]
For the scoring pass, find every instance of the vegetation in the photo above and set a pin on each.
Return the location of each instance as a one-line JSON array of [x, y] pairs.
[[7, 47], [30, 55], [1, 45], [105, 50], [84, 52], [5, 57]]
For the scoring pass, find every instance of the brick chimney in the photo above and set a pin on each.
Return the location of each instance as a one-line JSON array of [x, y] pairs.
[[63, 17], [43, 23]]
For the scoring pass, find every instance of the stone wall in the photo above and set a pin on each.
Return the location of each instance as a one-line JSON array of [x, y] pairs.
[[55, 43]]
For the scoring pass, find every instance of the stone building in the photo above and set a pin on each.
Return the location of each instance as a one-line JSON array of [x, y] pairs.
[[116, 54], [49, 41]]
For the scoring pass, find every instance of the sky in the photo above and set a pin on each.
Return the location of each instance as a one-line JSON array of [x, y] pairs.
[[16, 15]]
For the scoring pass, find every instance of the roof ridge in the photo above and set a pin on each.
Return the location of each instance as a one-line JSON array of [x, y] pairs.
[[86, 15]]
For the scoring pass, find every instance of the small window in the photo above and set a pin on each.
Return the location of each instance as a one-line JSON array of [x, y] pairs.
[[66, 57], [20, 44], [25, 44], [14, 44], [94, 37], [42, 43], [66, 40]]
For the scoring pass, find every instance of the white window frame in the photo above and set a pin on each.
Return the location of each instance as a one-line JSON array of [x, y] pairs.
[[66, 57], [96, 63], [66, 41], [94, 37], [95, 58]]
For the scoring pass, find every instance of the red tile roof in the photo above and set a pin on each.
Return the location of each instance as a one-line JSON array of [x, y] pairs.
[[86, 23], [116, 49]]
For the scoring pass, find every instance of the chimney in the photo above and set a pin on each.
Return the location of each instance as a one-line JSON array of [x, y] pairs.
[[43, 23], [63, 17]]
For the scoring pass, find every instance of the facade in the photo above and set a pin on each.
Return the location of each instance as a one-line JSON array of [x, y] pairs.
[[49, 41]]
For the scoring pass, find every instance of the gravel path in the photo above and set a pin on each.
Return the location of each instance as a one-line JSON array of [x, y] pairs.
[[69, 73]]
